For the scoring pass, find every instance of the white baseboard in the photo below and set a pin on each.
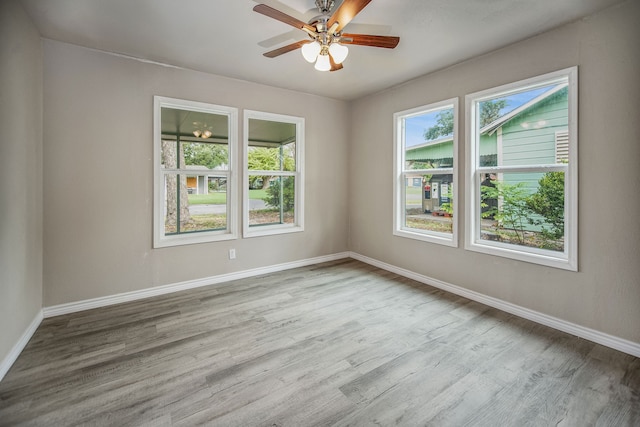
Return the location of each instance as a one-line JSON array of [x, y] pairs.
[[76, 306], [10, 358], [598, 337]]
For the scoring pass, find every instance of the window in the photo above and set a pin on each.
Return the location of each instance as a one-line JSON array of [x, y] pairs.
[[425, 169], [273, 178], [522, 157], [195, 192]]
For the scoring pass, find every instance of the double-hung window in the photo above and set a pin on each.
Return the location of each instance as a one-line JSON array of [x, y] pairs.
[[522, 170], [425, 170], [194, 188], [273, 174]]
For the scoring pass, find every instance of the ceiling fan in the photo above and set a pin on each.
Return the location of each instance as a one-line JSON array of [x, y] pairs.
[[326, 43]]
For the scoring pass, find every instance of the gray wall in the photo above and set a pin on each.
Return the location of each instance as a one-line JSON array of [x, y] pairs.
[[605, 293], [20, 174], [98, 175]]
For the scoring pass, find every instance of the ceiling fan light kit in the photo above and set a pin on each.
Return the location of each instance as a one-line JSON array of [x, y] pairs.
[[327, 46], [310, 51]]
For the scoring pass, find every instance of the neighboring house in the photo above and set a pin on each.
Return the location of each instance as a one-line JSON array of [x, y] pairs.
[[534, 133], [198, 183]]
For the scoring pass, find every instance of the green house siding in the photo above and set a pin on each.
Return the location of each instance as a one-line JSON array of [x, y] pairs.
[[488, 150], [530, 137], [431, 153]]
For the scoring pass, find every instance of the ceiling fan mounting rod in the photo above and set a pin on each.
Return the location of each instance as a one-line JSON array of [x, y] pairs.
[[324, 6]]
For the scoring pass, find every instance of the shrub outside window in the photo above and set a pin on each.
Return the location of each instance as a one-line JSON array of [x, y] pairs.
[[522, 157], [425, 170]]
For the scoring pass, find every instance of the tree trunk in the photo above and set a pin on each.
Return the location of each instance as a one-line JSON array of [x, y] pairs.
[[265, 182], [170, 157]]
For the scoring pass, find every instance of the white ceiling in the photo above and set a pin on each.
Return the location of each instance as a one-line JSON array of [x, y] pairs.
[[226, 37]]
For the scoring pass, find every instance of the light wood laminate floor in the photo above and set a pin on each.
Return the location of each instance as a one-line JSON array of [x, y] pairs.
[[341, 343]]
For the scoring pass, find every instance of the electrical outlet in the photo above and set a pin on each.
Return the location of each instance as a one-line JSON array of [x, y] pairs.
[[232, 254]]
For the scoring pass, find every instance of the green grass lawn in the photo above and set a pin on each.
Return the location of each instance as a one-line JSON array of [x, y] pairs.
[[220, 197], [215, 198], [257, 194]]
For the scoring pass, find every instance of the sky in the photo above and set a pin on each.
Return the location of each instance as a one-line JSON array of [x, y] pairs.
[[416, 126]]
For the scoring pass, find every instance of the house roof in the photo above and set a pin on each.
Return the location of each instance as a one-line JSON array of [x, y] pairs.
[[493, 126], [431, 143]]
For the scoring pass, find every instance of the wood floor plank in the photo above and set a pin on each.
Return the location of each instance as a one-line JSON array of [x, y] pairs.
[[341, 343]]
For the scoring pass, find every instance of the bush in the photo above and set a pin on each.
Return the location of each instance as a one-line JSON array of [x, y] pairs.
[[548, 202], [288, 194], [514, 211]]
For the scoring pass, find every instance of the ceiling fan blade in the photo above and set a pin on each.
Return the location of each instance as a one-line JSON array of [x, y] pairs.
[[346, 12], [334, 66], [388, 42], [285, 49], [282, 17]]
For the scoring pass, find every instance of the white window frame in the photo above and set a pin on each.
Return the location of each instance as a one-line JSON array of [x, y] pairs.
[[400, 175], [568, 259], [231, 232], [298, 174]]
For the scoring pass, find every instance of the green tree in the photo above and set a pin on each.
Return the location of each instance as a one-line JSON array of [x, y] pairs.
[[288, 194], [548, 202], [269, 159], [489, 112], [443, 126], [512, 212], [205, 154]]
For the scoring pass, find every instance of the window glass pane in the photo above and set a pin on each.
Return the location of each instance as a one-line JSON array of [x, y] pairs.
[[273, 158], [426, 146], [273, 204], [194, 204], [272, 145], [428, 140], [523, 209], [522, 128], [429, 205], [173, 216], [205, 155]]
